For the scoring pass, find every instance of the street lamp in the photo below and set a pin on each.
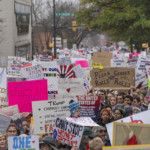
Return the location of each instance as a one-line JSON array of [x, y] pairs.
[[54, 22]]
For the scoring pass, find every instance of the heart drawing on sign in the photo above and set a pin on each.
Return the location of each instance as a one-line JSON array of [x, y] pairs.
[[68, 90], [33, 142]]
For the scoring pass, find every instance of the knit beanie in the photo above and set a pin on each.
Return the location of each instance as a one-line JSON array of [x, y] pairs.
[[73, 106]]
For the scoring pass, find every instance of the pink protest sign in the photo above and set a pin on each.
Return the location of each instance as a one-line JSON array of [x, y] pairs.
[[24, 92], [83, 63]]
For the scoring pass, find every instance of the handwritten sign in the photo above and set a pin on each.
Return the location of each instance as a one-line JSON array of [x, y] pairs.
[[32, 72], [113, 77], [64, 61], [142, 117], [83, 63], [24, 92], [46, 112], [3, 80], [68, 132], [89, 106], [83, 121], [70, 88], [97, 65], [118, 63], [78, 71], [15, 79], [23, 142], [3, 97]]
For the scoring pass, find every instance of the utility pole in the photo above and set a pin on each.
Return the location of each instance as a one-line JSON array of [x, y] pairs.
[[54, 20]]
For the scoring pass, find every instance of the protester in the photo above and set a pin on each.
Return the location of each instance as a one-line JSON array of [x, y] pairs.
[[25, 126], [119, 113], [3, 142], [113, 102], [120, 98], [12, 130], [109, 108], [128, 99], [96, 144]]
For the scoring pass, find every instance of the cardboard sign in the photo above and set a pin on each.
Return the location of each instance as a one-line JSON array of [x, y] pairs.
[[23, 143], [142, 117], [83, 63], [68, 132], [64, 61], [4, 123], [24, 92], [83, 121], [131, 134], [46, 112], [135, 147], [78, 71], [89, 106], [50, 73], [3, 97], [102, 58], [70, 88], [32, 72], [113, 77]]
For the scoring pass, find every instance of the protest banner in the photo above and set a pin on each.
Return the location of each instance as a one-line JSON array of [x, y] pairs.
[[24, 92], [50, 73], [89, 106], [130, 134], [64, 61], [70, 88], [15, 79], [83, 121], [133, 147], [68, 132], [83, 63], [103, 58], [4, 122], [46, 112], [79, 72], [32, 73], [65, 71], [23, 143], [113, 78], [142, 117]]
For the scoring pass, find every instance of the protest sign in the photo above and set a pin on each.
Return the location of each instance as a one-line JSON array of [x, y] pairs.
[[15, 79], [32, 73], [113, 78], [103, 58], [118, 63], [50, 73], [3, 61], [46, 112], [135, 147], [24, 92], [131, 134], [78, 71], [83, 63], [132, 62], [70, 87], [23, 143], [4, 122], [45, 58], [64, 61], [83, 121], [97, 65], [68, 132], [142, 117], [65, 71], [3, 97], [89, 106], [3, 80]]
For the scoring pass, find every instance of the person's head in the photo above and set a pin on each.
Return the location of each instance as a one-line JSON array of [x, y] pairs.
[[120, 99], [74, 108], [119, 113], [136, 110], [48, 143], [115, 93], [3, 141], [136, 102], [105, 115], [128, 109], [113, 101], [27, 117], [109, 95], [101, 132], [102, 94], [96, 144], [109, 108], [25, 126], [128, 99], [12, 130]]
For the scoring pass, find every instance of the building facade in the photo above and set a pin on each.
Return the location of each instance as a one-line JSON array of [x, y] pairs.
[[15, 28]]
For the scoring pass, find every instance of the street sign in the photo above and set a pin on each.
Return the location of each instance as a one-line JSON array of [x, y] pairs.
[[51, 44], [64, 14], [144, 45]]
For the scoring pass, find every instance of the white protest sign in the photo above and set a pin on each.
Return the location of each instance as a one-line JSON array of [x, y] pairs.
[[3, 80], [50, 73], [15, 79], [70, 87], [118, 63], [64, 61], [68, 132], [3, 97], [32, 73], [4, 122], [142, 117], [23, 143], [79, 72], [46, 112], [83, 121]]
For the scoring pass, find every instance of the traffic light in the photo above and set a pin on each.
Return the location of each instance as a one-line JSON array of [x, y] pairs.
[[74, 24]]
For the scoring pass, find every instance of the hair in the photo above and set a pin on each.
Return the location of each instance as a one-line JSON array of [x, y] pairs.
[[4, 135], [122, 111], [108, 106], [138, 99], [103, 111], [96, 144], [130, 97], [102, 91], [15, 126]]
